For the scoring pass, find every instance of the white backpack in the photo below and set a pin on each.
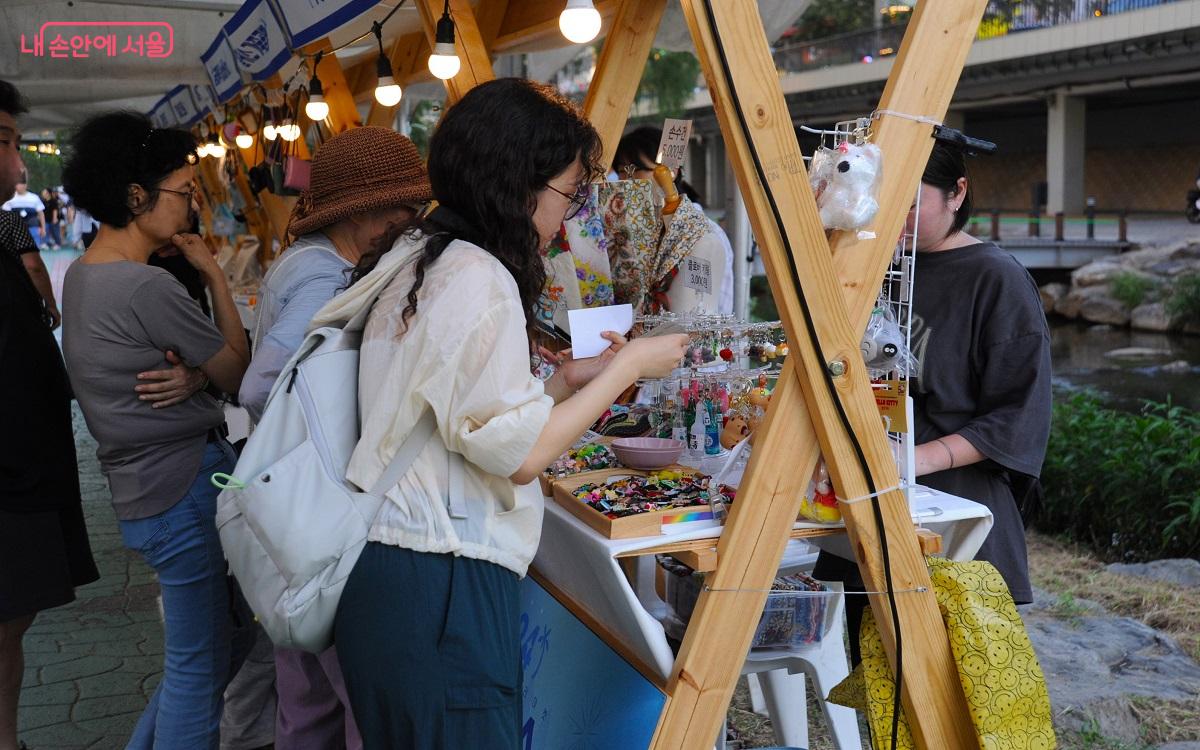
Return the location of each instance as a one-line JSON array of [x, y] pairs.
[[291, 525]]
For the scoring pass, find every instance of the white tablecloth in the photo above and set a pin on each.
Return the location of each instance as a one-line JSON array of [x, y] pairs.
[[583, 564]]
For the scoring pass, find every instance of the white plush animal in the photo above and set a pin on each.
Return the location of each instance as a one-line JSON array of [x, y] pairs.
[[846, 185]]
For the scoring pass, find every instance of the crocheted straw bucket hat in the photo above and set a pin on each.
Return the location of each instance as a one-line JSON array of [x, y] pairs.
[[359, 170]]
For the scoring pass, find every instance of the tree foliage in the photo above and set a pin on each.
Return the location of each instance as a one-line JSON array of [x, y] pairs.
[[669, 81]]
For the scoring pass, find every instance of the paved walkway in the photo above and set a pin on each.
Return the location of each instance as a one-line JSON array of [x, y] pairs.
[[91, 666]]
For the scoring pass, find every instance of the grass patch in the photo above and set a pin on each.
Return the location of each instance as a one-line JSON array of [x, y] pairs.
[[1131, 289], [1127, 485], [1092, 738], [1168, 721], [1070, 572], [1184, 299]]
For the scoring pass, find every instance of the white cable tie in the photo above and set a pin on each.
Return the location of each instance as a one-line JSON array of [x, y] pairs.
[[904, 115], [917, 590], [901, 486]]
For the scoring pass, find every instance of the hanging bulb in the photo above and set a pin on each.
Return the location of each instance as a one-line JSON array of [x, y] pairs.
[[269, 131], [244, 140], [444, 62], [215, 148], [387, 91], [202, 149], [317, 108], [579, 21], [288, 131]]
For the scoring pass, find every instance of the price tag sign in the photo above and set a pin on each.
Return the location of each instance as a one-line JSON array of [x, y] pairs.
[[672, 148], [697, 275]]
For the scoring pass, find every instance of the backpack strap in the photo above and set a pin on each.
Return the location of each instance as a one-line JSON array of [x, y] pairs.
[[412, 446], [422, 433]]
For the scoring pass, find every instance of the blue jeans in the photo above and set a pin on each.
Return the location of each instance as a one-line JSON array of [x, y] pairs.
[[182, 546]]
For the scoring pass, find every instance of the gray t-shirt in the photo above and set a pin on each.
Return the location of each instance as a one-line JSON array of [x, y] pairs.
[[119, 319], [983, 348]]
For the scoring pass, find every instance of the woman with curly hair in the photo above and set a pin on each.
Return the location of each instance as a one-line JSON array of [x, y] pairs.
[[427, 627], [122, 317]]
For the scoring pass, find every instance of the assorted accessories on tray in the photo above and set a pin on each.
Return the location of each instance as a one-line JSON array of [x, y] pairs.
[[627, 495]]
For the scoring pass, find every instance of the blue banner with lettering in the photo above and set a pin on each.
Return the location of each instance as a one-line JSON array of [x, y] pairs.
[[309, 20], [222, 68], [182, 106], [161, 116], [578, 692], [257, 40]]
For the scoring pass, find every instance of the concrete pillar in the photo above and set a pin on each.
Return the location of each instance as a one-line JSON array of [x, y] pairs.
[[1066, 121], [737, 226], [714, 169]]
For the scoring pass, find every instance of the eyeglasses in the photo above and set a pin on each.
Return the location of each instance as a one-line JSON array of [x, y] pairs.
[[189, 194], [578, 200]]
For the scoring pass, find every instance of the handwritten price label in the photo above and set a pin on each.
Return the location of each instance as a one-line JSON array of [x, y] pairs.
[[672, 147], [697, 275]]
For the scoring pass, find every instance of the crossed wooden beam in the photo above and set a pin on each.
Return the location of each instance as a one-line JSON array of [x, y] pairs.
[[825, 289]]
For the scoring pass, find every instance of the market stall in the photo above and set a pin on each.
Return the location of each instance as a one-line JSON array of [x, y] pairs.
[[823, 448]]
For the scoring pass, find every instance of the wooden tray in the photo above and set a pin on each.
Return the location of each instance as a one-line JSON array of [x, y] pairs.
[[640, 524], [547, 481]]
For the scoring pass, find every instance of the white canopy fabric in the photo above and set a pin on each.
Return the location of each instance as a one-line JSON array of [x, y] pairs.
[[64, 90]]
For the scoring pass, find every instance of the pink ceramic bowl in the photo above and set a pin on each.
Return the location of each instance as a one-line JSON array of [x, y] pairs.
[[647, 452]]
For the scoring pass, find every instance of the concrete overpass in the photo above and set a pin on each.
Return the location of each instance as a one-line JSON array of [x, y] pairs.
[[1080, 104]]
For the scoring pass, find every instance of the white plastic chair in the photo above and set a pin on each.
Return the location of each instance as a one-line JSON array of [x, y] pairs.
[[781, 672]]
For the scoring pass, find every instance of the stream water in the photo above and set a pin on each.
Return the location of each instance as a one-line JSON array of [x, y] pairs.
[[1080, 357]]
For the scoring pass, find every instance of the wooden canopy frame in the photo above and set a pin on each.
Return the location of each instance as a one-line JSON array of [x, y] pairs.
[[825, 288]]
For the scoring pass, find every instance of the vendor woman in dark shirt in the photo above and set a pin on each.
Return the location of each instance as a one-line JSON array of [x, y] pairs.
[[982, 392], [982, 385]]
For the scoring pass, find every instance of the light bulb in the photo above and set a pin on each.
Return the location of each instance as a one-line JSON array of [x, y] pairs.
[[388, 92], [202, 150], [216, 150], [444, 66], [288, 131], [579, 21], [317, 108], [269, 131], [244, 140], [444, 62]]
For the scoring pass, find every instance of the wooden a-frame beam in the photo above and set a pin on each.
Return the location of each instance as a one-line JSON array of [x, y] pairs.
[[619, 70], [749, 551]]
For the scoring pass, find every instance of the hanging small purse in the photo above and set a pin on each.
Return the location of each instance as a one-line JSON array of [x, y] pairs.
[[296, 174]]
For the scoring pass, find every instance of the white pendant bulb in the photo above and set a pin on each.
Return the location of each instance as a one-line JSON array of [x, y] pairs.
[[244, 140], [270, 132], [317, 108], [387, 92], [579, 21], [444, 62]]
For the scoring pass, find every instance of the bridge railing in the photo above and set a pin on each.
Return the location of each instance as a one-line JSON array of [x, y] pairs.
[[1002, 17], [996, 225]]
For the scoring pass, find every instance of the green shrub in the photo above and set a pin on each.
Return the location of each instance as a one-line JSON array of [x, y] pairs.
[[1127, 485], [1130, 289], [1184, 299]]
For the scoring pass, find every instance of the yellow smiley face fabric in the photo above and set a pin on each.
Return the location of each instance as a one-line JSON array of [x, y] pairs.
[[1000, 674]]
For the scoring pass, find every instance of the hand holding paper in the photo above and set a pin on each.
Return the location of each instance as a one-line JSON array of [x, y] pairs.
[[589, 322]]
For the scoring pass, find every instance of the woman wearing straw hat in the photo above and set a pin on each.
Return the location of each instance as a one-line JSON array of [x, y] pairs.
[[365, 182]]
